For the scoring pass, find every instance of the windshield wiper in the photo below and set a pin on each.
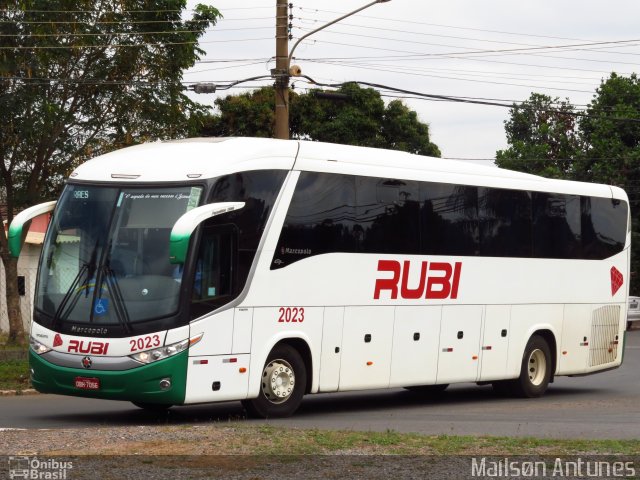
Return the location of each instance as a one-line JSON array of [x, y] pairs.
[[62, 311], [116, 295]]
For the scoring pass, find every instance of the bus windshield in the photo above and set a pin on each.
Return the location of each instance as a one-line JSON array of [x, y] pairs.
[[106, 255]]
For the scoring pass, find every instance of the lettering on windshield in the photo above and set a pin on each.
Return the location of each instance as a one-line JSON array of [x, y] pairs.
[[81, 194], [156, 196]]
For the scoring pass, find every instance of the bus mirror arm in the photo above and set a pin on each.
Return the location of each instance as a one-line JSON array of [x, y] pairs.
[[17, 231], [187, 223]]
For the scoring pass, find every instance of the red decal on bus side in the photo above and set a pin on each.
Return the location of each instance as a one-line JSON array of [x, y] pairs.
[[616, 280], [438, 280], [456, 280], [413, 293], [389, 283], [442, 281]]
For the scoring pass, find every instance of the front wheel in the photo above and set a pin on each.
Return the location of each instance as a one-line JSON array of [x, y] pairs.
[[535, 371], [282, 386]]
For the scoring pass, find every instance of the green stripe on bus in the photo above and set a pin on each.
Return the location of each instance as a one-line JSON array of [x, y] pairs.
[[140, 384]]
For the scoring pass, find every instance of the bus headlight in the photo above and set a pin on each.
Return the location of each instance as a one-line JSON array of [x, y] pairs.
[[38, 347], [150, 356]]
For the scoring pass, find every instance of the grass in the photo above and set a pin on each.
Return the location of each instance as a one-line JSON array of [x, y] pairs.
[[14, 375], [14, 366], [266, 440], [277, 440]]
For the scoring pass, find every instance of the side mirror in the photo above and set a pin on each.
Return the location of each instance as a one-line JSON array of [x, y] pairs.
[[187, 223], [17, 231]]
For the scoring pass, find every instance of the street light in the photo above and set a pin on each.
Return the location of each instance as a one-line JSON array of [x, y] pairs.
[[284, 69], [329, 24]]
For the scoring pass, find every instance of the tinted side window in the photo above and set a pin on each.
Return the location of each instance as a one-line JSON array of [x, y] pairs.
[[505, 222], [215, 279], [556, 226], [449, 219], [388, 216], [604, 227], [320, 218], [229, 242]]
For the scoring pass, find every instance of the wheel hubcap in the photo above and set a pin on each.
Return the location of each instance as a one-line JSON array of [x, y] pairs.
[[278, 381], [537, 367]]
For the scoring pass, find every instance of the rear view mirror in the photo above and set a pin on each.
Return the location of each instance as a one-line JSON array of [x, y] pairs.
[[17, 231], [187, 223]]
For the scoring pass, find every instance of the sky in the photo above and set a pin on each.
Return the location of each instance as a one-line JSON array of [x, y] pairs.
[[492, 49]]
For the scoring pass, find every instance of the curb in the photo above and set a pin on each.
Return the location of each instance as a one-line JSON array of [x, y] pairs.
[[8, 393]]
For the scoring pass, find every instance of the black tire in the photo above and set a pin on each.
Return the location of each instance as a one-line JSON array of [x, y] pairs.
[[535, 370], [284, 366], [428, 389], [153, 407]]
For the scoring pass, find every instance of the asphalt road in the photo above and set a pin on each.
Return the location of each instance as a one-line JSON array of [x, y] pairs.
[[606, 405]]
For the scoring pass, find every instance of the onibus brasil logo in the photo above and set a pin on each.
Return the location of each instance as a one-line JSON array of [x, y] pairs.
[[38, 469]]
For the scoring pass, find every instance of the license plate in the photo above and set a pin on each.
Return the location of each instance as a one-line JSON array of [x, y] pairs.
[[87, 383]]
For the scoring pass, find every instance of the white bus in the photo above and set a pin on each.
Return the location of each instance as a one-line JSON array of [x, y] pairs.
[[208, 270]]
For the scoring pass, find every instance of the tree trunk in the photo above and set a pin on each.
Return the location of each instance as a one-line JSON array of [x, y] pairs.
[[16, 329]]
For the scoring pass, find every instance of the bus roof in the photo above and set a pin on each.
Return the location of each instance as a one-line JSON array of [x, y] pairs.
[[194, 158]]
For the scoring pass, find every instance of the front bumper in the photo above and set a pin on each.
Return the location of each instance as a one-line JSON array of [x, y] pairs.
[[141, 384]]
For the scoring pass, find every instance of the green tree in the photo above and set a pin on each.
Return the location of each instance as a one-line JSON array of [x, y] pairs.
[[602, 146], [610, 134], [543, 138], [79, 78], [248, 114], [353, 116]]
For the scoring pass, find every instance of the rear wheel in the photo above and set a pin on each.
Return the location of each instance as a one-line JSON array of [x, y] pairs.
[[282, 385], [535, 371]]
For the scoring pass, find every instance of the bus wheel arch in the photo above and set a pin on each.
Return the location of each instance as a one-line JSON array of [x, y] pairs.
[[305, 352], [540, 352], [284, 380], [550, 338], [536, 368]]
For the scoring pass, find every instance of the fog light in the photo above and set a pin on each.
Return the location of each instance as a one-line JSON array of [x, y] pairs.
[[165, 384]]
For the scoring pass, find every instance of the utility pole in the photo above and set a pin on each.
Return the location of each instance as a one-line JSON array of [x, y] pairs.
[[284, 69], [281, 72]]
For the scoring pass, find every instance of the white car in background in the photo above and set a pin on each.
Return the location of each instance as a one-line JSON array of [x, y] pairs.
[[633, 314]]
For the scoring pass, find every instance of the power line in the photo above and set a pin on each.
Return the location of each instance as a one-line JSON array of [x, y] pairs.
[[226, 60], [424, 72], [369, 68], [486, 52], [628, 43], [191, 72], [39, 81], [100, 34], [413, 22], [133, 22], [132, 45], [123, 12], [107, 33], [462, 99]]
